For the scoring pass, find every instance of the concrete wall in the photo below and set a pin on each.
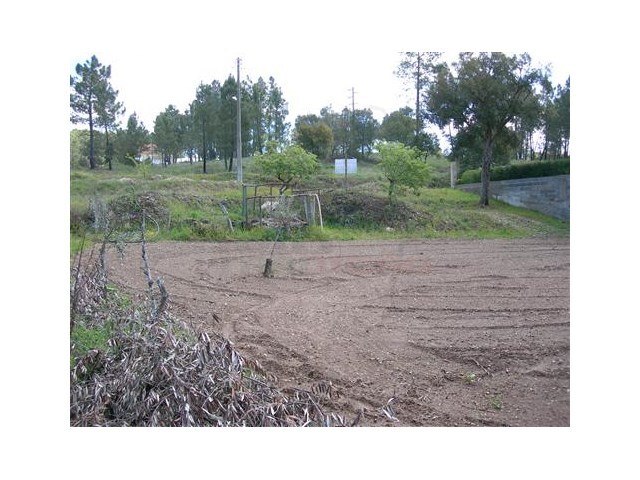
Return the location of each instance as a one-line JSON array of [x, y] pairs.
[[549, 195]]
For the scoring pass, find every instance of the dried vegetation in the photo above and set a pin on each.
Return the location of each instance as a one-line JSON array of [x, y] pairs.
[[157, 371]]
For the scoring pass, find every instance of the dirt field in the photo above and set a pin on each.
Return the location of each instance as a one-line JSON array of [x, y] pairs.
[[436, 332]]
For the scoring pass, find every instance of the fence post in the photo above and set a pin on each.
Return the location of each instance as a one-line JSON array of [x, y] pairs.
[[245, 212]]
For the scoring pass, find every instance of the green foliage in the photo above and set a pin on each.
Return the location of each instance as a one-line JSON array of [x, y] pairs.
[[93, 102], [291, 165], [186, 206], [402, 167], [398, 126], [130, 141], [481, 96], [469, 378], [496, 402], [418, 70], [520, 170], [92, 337], [314, 135]]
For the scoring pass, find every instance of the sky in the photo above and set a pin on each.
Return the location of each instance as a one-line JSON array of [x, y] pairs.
[[159, 55], [310, 79]]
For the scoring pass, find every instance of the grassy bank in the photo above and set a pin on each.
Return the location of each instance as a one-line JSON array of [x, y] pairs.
[[185, 204]]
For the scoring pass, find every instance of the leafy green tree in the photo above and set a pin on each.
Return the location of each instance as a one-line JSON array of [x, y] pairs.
[[130, 141], [341, 127], [556, 121], [483, 94], [563, 105], [89, 86], [468, 145], [398, 126], [167, 134], [314, 135], [402, 167], [364, 131], [288, 166], [79, 143], [338, 122]]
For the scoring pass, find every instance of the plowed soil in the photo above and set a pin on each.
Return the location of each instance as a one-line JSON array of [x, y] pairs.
[[406, 333]]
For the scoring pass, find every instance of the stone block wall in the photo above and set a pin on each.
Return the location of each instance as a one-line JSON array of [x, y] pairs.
[[548, 195]]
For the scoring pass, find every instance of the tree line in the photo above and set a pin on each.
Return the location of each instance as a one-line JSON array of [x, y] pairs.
[[205, 130], [491, 108]]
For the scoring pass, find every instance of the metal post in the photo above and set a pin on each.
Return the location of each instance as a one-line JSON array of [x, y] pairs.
[[245, 210]]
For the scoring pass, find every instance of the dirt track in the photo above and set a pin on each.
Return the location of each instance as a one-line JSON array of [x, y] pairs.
[[457, 332]]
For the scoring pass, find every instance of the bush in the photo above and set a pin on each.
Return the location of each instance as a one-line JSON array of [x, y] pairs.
[[402, 168], [521, 170], [362, 210]]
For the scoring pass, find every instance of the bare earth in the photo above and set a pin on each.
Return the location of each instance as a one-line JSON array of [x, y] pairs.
[[456, 332]]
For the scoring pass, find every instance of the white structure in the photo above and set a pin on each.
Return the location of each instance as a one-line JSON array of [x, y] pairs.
[[351, 163]]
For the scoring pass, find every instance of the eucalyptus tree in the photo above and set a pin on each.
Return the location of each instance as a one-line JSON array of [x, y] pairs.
[[419, 70], [556, 129], [483, 94], [89, 86], [277, 109], [258, 105], [563, 105]]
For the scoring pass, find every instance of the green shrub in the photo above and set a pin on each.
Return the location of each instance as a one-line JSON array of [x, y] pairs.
[[520, 170]]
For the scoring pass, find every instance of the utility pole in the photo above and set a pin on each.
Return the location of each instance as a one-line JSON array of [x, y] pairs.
[[418, 119], [353, 101], [239, 130], [353, 114]]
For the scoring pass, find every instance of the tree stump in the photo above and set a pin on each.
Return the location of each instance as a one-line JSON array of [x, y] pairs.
[[268, 268]]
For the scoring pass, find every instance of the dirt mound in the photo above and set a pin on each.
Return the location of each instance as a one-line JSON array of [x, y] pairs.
[[358, 209]]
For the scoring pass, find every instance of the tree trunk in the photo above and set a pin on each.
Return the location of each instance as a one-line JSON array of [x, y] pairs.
[[486, 169], [204, 149], [268, 268], [108, 152], [231, 163], [92, 155]]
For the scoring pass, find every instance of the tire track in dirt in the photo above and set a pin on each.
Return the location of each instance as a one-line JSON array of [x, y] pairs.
[[457, 332]]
